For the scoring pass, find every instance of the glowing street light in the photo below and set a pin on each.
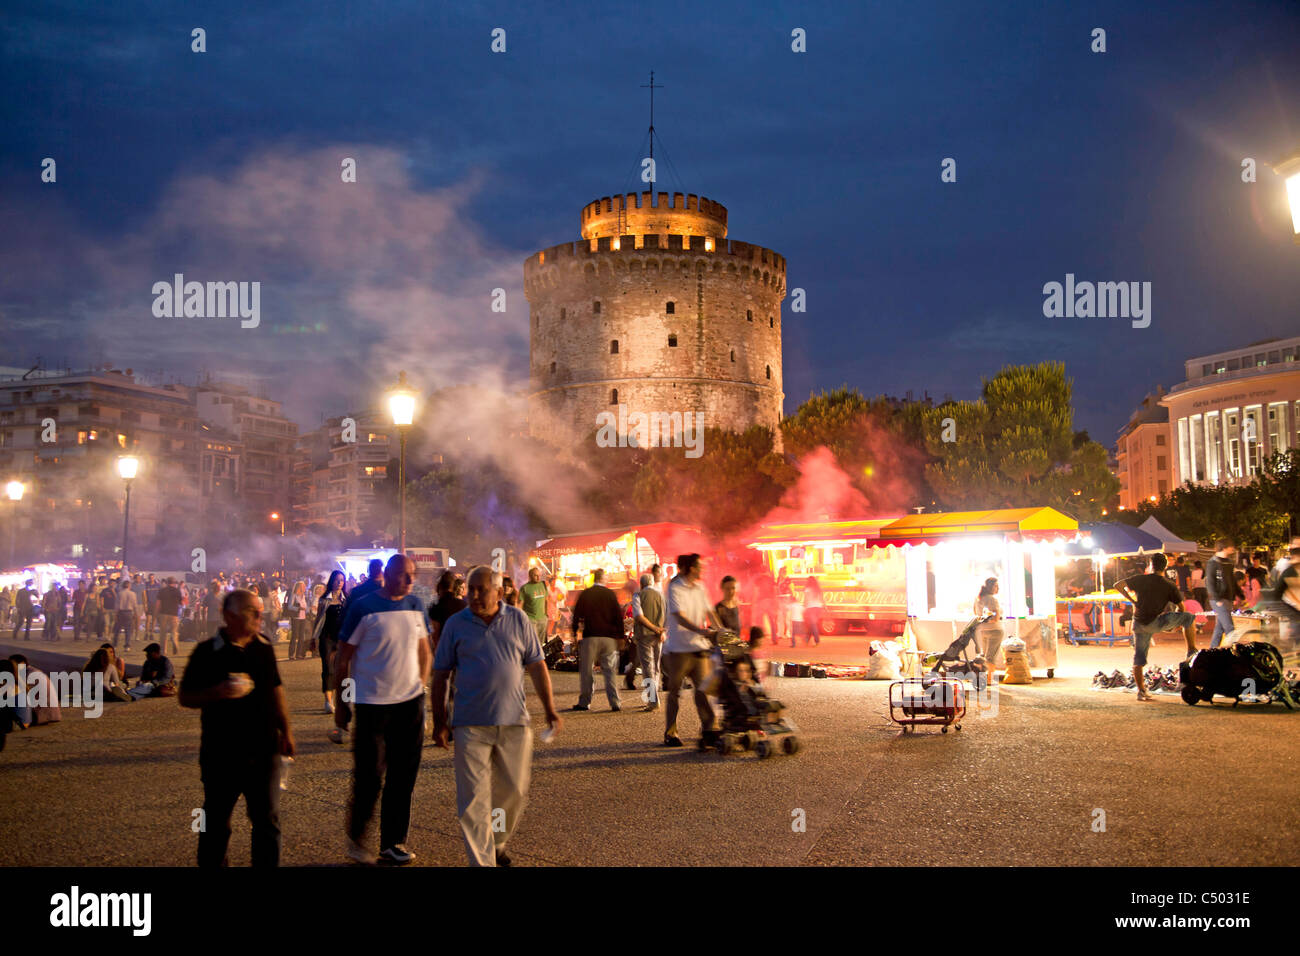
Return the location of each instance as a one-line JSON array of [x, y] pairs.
[[401, 403], [1289, 170], [14, 492], [127, 467], [276, 516]]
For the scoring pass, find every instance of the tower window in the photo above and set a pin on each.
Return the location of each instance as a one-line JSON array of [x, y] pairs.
[[672, 341], [613, 396], [769, 371], [671, 308], [552, 368], [771, 322], [564, 313], [613, 347], [733, 355], [595, 307], [749, 314]]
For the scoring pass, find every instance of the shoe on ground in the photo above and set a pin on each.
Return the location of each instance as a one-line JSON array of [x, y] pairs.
[[329, 707], [338, 735], [648, 708], [616, 707], [396, 855], [672, 741], [580, 707], [502, 858], [360, 853]]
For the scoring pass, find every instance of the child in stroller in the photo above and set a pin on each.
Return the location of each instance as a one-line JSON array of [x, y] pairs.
[[750, 719]]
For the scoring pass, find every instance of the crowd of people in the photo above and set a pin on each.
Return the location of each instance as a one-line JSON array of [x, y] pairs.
[[385, 654], [387, 657]]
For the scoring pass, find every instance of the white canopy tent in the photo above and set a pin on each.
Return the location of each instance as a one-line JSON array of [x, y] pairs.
[[1170, 540]]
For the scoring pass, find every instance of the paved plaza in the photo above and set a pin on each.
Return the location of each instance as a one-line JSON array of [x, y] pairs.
[[1179, 785]]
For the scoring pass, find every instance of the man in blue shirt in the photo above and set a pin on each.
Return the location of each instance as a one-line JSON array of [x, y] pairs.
[[489, 645], [374, 580], [384, 653]]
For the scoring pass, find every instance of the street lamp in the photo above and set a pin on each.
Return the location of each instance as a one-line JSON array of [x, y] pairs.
[[401, 403], [127, 466], [14, 491], [1289, 170], [276, 516]]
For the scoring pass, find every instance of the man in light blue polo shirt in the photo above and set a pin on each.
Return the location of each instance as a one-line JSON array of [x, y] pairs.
[[489, 645]]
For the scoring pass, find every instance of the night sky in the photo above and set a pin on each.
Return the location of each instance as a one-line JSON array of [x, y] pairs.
[[1122, 166]]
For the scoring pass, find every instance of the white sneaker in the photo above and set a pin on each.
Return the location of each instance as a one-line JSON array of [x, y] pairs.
[[397, 855], [360, 853]]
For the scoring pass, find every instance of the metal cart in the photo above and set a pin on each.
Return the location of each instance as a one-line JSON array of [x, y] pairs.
[[927, 700]]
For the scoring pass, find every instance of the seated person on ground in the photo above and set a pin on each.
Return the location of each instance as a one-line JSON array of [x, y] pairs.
[[157, 675]]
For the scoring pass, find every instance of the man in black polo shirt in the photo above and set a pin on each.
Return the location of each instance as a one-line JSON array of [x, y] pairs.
[[233, 678], [1151, 593], [600, 618]]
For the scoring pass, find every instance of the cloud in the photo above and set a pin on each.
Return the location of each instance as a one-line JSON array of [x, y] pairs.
[[358, 280]]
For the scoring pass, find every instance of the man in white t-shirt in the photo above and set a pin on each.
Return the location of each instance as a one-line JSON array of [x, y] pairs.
[[384, 649], [692, 633]]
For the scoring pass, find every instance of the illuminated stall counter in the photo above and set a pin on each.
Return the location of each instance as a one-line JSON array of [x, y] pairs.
[[863, 589], [949, 555], [621, 552]]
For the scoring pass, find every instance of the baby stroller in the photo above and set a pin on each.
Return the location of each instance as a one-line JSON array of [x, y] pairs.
[[954, 661], [750, 719], [1252, 668]]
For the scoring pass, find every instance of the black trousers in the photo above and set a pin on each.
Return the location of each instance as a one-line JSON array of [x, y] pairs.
[[257, 779], [386, 746], [23, 617]]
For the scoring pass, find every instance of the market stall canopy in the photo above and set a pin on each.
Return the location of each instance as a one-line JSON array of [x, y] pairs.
[[857, 531], [667, 539], [1030, 524], [1168, 540], [1113, 540]]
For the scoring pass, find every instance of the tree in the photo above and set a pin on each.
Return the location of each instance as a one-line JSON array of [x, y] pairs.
[[1204, 513], [1015, 447], [877, 442], [733, 484], [1279, 480]]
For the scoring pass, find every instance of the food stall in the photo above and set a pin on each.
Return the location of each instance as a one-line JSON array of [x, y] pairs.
[[863, 588], [623, 553], [1093, 617], [948, 556]]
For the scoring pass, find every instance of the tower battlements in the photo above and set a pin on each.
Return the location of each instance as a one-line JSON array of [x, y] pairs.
[[645, 213], [729, 252]]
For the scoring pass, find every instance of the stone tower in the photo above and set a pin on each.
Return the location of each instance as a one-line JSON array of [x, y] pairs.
[[657, 310]]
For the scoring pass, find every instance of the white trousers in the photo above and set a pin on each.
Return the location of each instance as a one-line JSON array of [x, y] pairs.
[[493, 768]]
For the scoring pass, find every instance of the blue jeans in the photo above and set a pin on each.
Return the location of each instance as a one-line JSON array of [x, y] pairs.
[[1222, 621]]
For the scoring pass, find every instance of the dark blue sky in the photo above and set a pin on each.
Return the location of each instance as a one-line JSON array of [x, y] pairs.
[[224, 165]]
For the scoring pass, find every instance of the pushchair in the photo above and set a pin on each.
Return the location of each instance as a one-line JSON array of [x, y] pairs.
[[955, 662], [750, 719], [1254, 668]]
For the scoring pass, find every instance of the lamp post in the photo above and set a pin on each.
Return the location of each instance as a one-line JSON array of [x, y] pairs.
[[1289, 170], [127, 466], [14, 492], [276, 516], [401, 403]]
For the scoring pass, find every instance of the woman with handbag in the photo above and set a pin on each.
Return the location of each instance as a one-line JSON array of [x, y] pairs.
[[329, 618]]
